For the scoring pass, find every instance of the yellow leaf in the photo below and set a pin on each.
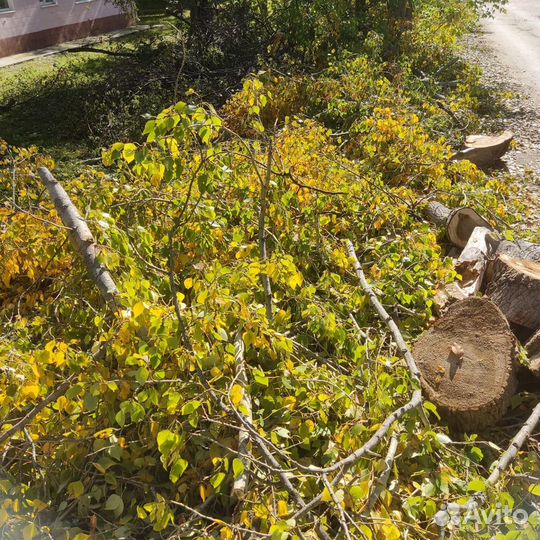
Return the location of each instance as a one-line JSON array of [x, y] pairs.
[[30, 391], [295, 280], [202, 492], [282, 508], [29, 531], [226, 533], [141, 513], [39, 505], [104, 433], [326, 497], [4, 516], [129, 152], [390, 531], [138, 309], [188, 283], [59, 358], [367, 531], [62, 403], [237, 393]]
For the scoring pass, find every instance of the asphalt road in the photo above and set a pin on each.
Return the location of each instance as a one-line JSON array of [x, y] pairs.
[[514, 38]]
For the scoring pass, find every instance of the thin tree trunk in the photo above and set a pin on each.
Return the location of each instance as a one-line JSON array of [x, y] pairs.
[[81, 238]]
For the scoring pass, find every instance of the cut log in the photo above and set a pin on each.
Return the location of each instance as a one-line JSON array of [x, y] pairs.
[[468, 366], [514, 285], [472, 262], [459, 222], [532, 347], [447, 295], [519, 250], [485, 150]]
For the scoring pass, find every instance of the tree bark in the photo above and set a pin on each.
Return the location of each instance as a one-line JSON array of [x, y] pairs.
[[514, 285], [81, 238], [485, 150], [533, 353], [458, 222], [519, 250]]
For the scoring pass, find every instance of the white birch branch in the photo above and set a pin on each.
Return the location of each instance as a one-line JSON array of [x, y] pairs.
[[517, 442], [81, 237], [383, 314], [239, 488], [380, 484]]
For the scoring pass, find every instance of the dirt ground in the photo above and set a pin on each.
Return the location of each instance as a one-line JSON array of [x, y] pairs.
[[507, 48]]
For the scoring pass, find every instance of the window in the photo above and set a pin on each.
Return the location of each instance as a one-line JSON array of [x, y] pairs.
[[45, 3], [4, 6]]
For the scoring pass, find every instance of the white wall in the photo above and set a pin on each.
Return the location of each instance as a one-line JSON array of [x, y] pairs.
[[28, 16]]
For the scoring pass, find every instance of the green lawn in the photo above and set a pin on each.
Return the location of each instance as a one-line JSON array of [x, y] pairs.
[[70, 104]]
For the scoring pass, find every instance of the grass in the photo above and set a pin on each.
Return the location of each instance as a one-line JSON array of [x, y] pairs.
[[59, 102]]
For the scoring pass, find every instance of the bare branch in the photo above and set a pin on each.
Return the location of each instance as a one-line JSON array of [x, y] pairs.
[[383, 480], [342, 517], [383, 314], [517, 442]]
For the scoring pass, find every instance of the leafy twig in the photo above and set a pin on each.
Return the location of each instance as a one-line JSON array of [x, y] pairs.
[[25, 420]]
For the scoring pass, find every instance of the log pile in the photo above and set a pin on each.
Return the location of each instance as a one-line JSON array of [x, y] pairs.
[[469, 358]]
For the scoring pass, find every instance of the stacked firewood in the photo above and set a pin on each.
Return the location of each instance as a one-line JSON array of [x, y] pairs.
[[469, 358]]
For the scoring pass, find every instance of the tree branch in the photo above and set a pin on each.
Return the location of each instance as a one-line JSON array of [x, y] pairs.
[[21, 424], [81, 238], [240, 484], [517, 442], [265, 280]]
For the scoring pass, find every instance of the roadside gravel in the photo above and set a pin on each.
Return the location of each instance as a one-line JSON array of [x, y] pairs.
[[519, 112]]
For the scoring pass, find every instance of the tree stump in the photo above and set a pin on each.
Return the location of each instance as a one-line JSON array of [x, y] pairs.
[[514, 285], [459, 222], [468, 366]]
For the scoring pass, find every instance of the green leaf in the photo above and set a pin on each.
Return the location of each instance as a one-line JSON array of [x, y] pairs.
[[190, 407], [476, 485], [360, 491], [428, 406], [81, 536], [177, 470], [238, 467], [534, 489], [115, 504], [167, 441], [217, 480], [258, 126], [75, 489], [120, 418]]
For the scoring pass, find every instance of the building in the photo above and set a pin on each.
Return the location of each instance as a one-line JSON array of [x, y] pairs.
[[27, 25]]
